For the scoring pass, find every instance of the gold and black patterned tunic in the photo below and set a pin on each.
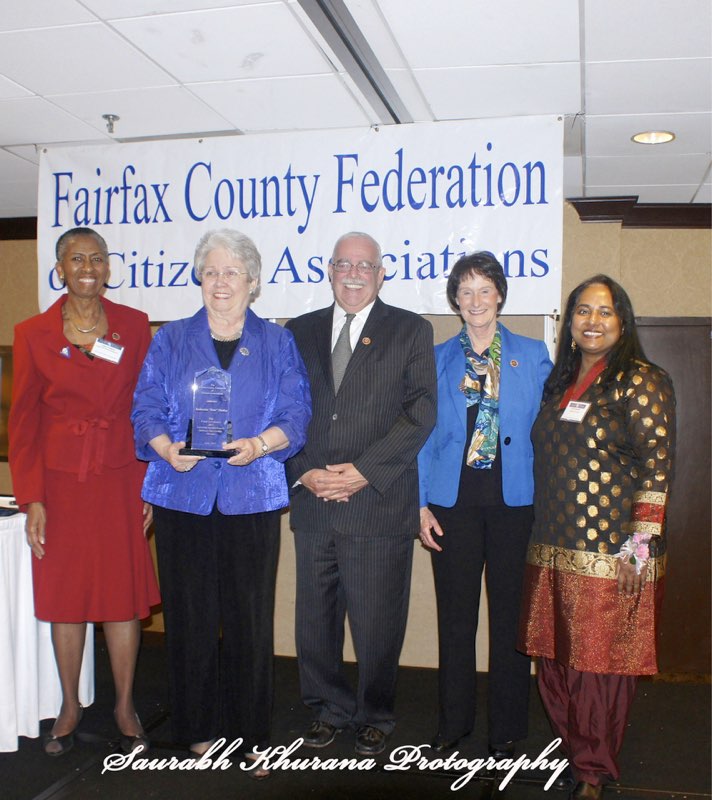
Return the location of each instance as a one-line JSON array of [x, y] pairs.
[[596, 482]]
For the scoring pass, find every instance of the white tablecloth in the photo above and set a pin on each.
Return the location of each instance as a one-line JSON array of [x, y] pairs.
[[29, 683]]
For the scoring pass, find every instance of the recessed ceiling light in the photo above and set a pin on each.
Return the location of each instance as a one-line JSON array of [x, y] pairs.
[[653, 137]]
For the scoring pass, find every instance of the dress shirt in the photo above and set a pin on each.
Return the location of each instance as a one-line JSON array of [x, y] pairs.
[[357, 324]]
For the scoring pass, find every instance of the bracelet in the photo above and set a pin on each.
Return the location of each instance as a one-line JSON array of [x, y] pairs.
[[265, 446], [635, 551]]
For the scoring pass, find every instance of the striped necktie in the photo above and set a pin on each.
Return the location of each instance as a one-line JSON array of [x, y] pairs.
[[341, 353]]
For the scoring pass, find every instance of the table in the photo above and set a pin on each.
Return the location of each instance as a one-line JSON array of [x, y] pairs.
[[29, 683]]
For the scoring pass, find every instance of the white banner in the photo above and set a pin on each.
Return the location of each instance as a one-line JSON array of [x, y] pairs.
[[427, 192]]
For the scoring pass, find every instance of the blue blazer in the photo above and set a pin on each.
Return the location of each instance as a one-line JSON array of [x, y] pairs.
[[269, 387], [525, 367]]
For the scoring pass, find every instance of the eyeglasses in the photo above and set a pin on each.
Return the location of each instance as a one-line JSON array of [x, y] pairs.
[[364, 267], [228, 275]]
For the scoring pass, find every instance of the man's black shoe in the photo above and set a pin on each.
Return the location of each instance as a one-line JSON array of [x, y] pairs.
[[370, 741], [320, 734], [441, 745]]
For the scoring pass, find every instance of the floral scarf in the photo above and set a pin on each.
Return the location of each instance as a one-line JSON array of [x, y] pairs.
[[481, 370]]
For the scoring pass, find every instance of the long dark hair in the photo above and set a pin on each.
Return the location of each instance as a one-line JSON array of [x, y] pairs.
[[625, 351]]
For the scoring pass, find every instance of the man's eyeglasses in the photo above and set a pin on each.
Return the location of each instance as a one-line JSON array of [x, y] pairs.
[[364, 267], [228, 275]]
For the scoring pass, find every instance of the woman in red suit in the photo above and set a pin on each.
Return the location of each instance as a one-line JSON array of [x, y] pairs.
[[75, 475]]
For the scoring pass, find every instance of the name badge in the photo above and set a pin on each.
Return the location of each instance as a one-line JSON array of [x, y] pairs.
[[108, 351], [575, 411]]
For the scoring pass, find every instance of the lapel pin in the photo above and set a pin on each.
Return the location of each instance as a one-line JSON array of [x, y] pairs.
[[244, 351], [514, 363], [365, 340], [64, 352], [115, 336]]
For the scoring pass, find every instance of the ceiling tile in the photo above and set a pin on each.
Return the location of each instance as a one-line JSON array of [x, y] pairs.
[[164, 111], [639, 29], [642, 170], [10, 89], [110, 9], [42, 14], [703, 195], [284, 103], [226, 44], [610, 135], [78, 58], [573, 176], [644, 87], [26, 151], [32, 120], [15, 168], [501, 91], [479, 32]]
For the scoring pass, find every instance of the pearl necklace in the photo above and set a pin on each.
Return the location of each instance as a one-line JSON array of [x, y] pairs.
[[217, 338]]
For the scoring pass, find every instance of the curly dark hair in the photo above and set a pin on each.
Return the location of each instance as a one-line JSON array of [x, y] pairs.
[[481, 263], [625, 351]]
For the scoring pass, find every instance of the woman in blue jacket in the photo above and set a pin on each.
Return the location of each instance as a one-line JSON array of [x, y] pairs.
[[218, 519], [476, 494]]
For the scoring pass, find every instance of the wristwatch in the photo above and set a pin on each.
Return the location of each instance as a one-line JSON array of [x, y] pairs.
[[265, 446]]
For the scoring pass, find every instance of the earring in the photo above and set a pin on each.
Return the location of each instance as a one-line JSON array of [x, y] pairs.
[[573, 346]]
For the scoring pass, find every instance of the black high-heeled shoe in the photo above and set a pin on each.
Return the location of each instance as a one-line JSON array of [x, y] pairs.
[[56, 746], [130, 743]]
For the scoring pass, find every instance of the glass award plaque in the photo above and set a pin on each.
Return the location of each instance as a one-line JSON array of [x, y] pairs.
[[209, 427]]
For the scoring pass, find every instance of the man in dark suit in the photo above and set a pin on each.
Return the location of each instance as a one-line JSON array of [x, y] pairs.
[[354, 508]]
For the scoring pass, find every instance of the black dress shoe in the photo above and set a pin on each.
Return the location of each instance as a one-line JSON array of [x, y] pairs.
[[586, 791], [370, 741], [320, 733], [129, 743], [565, 781], [55, 746], [442, 745], [501, 751]]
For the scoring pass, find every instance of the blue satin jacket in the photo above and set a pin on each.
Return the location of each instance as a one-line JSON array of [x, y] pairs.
[[524, 369], [269, 387]]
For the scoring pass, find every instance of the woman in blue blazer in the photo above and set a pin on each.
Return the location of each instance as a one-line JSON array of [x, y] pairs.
[[476, 494]]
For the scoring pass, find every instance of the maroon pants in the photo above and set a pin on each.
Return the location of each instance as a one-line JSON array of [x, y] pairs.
[[589, 711]]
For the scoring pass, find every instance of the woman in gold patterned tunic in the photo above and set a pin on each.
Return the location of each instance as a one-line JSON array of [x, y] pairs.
[[603, 444]]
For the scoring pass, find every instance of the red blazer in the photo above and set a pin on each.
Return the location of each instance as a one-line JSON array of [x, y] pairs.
[[68, 412]]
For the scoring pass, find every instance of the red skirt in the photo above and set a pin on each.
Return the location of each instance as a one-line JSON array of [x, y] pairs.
[[97, 565], [585, 623]]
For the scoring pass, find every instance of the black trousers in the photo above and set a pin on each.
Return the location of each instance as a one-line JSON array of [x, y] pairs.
[[495, 536], [367, 578], [217, 576]]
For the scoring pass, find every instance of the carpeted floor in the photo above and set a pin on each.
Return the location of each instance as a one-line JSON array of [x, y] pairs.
[[666, 753]]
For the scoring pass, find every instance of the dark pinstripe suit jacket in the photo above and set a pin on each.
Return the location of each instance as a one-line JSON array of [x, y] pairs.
[[379, 420]]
